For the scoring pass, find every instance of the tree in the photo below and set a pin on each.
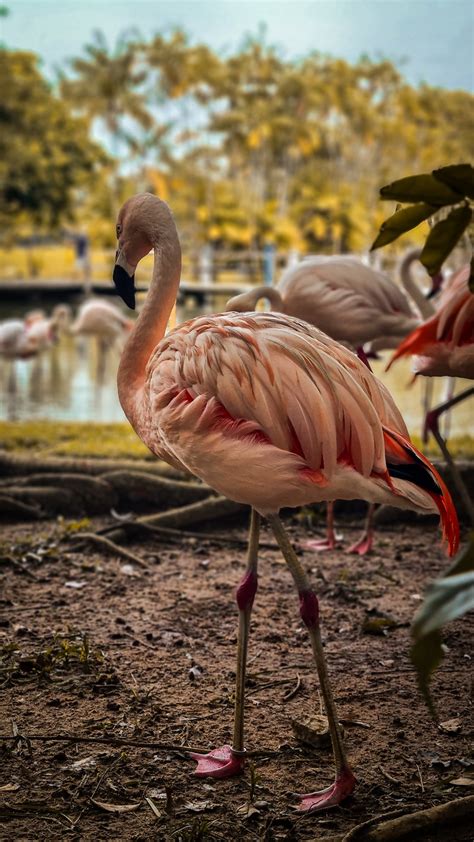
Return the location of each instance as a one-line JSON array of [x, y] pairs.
[[46, 155], [108, 87]]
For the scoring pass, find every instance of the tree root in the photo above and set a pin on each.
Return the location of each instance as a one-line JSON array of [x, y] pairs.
[[138, 487], [17, 508], [14, 465], [96, 494], [392, 827], [48, 499], [177, 535], [205, 510], [108, 545]]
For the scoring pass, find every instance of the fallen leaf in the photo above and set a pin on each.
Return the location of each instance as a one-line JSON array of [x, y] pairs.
[[10, 788], [247, 811], [199, 806], [451, 726], [74, 584], [84, 763], [153, 807], [465, 780], [116, 808]]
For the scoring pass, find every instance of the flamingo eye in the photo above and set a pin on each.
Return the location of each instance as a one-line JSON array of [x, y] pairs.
[[118, 230]]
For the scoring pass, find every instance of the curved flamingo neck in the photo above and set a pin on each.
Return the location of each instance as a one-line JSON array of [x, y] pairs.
[[409, 284], [150, 326], [270, 293]]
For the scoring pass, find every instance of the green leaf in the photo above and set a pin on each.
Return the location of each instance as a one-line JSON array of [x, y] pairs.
[[443, 237], [402, 221], [421, 188], [447, 599], [459, 177], [426, 655]]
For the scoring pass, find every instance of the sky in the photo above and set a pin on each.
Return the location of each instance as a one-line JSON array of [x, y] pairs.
[[431, 40]]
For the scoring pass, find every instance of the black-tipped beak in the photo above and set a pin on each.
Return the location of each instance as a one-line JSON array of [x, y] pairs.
[[437, 283], [125, 285]]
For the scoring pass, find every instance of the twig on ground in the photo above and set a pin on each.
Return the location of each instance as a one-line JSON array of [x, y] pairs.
[[179, 534], [156, 746], [292, 693], [110, 546]]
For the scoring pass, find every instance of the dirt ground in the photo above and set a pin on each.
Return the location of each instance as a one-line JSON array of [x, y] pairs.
[[93, 646]]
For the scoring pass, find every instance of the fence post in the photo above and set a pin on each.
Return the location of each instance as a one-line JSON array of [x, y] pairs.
[[268, 263]]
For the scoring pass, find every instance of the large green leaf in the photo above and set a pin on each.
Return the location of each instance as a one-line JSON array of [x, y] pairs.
[[402, 221], [443, 237], [459, 177], [447, 599], [426, 655], [421, 188]]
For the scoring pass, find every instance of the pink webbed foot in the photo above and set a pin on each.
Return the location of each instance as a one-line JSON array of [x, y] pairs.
[[321, 545], [219, 763], [342, 787], [363, 546]]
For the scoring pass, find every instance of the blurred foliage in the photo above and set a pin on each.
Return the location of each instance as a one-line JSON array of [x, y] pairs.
[[445, 196], [46, 153], [250, 147]]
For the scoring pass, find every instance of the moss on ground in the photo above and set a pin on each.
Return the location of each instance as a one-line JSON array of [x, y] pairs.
[[56, 438], [118, 441]]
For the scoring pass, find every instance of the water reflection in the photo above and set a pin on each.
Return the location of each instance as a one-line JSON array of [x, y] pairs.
[[70, 382]]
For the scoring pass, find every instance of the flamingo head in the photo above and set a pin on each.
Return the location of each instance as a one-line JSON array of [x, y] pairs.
[[436, 284], [143, 223]]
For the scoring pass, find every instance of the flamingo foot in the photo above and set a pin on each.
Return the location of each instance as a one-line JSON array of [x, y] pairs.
[[321, 545], [342, 787], [219, 763], [363, 546]]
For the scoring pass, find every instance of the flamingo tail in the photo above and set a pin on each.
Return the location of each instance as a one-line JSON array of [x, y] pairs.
[[405, 462]]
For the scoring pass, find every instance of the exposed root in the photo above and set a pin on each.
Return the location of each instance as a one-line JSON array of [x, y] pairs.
[[205, 510], [397, 825], [13, 465], [108, 545]]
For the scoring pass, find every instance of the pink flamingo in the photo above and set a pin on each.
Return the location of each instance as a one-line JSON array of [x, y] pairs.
[[45, 330], [444, 346], [270, 412], [107, 323], [353, 304]]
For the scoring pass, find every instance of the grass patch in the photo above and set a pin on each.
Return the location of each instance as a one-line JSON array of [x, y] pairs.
[[81, 439]]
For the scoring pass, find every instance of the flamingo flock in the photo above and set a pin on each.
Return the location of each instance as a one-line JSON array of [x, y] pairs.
[[272, 412], [355, 305]]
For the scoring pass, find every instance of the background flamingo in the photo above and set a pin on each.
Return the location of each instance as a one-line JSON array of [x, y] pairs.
[[270, 412], [351, 303], [105, 322], [444, 346]]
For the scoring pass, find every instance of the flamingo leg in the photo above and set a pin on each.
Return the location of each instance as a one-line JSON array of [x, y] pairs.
[[344, 782], [331, 539], [229, 760], [365, 542], [431, 425]]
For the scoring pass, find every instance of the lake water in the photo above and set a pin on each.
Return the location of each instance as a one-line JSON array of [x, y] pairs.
[[66, 383]]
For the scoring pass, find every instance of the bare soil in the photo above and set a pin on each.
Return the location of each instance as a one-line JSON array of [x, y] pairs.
[[93, 647]]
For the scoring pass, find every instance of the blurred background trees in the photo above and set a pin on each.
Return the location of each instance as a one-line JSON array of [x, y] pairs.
[[251, 147]]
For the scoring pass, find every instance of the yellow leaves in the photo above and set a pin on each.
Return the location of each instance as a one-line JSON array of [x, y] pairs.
[[159, 183], [257, 136], [202, 213]]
